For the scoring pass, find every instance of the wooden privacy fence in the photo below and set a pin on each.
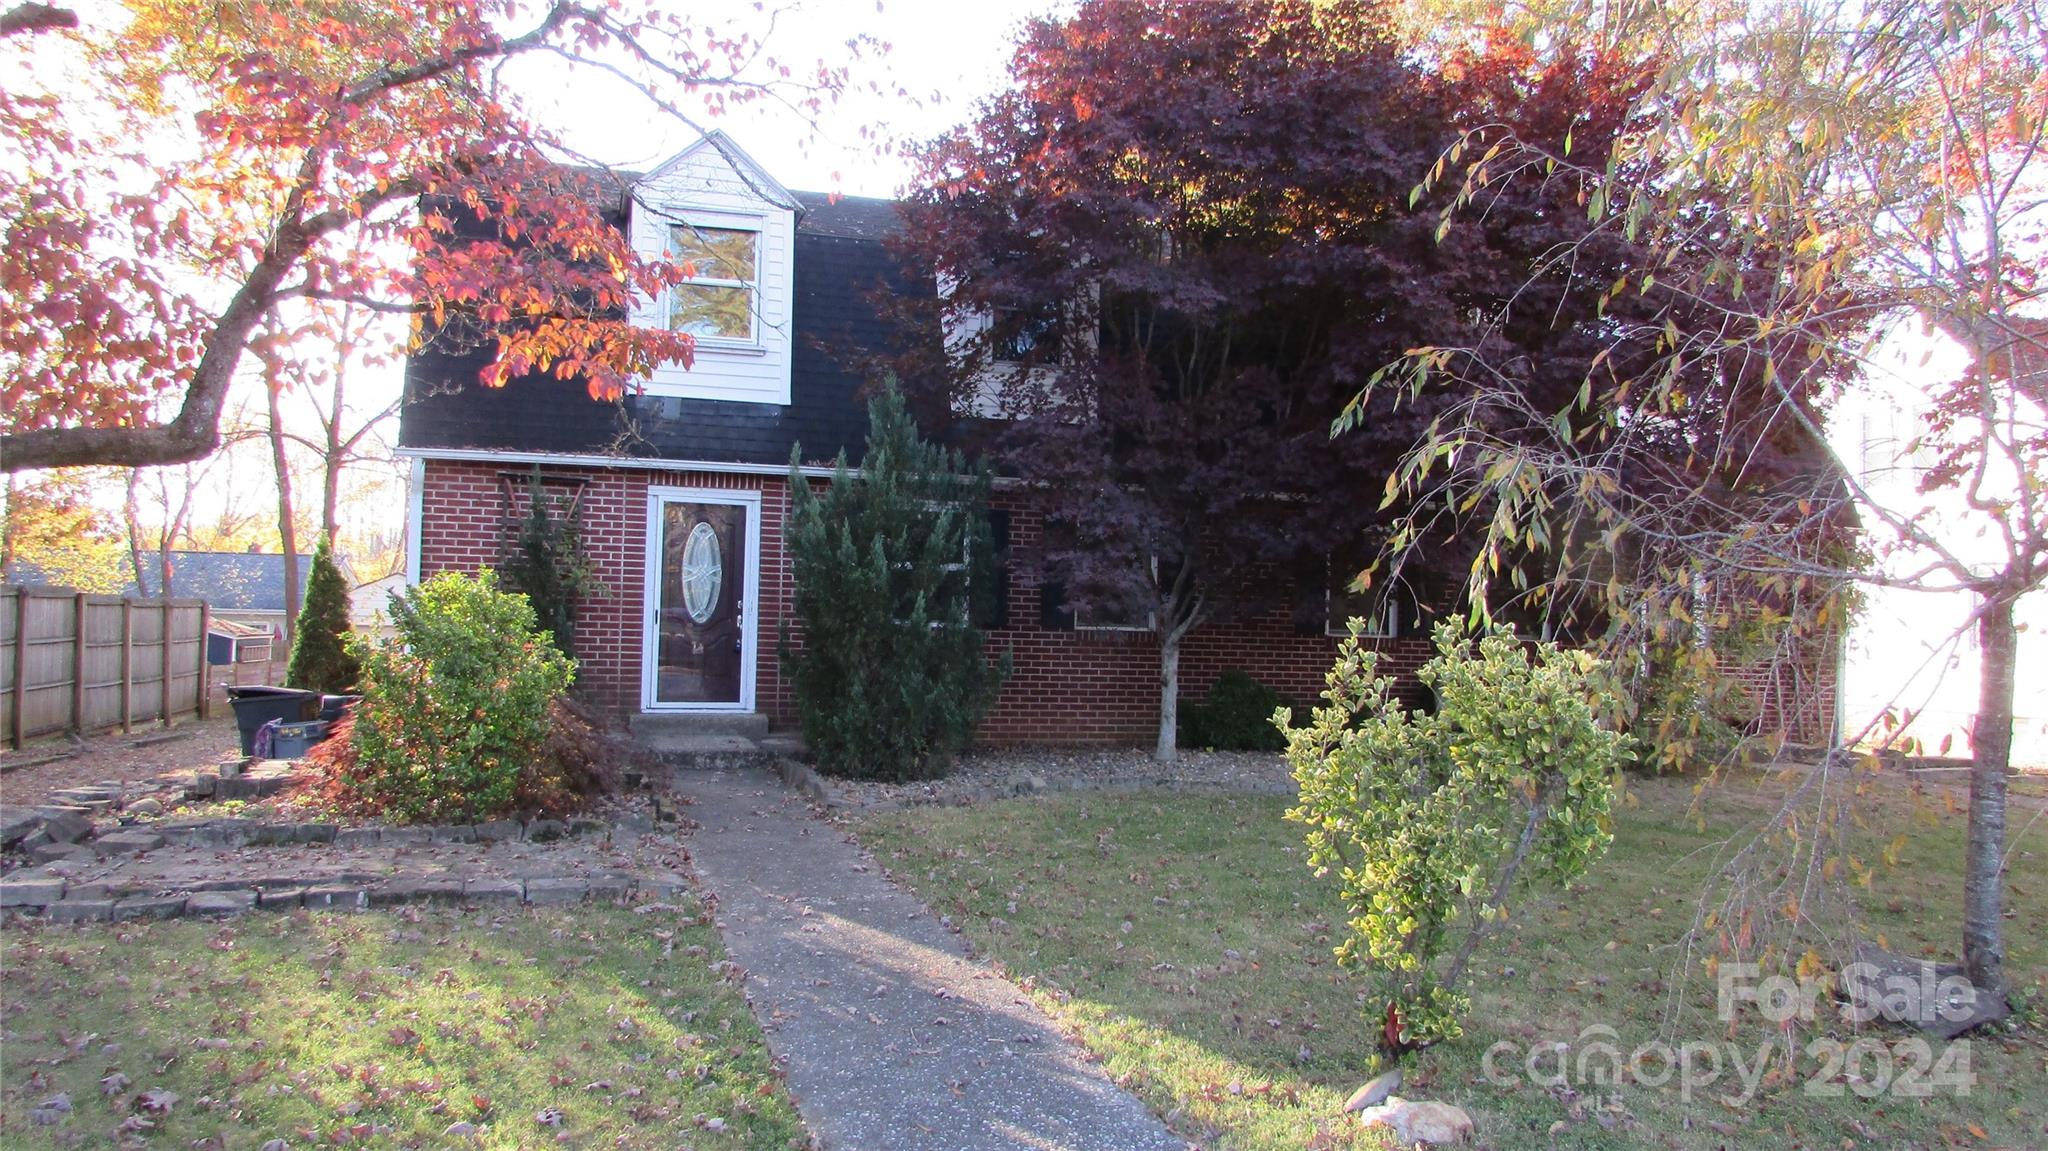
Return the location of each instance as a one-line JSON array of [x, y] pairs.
[[76, 662]]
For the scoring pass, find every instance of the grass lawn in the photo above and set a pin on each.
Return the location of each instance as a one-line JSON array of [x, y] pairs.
[[1185, 942], [587, 1028]]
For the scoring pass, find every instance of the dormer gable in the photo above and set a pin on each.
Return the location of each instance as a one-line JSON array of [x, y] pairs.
[[713, 207]]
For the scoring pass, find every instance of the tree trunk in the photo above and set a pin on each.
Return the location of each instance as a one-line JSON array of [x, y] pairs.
[[1991, 742], [332, 459], [131, 510], [10, 527], [287, 530], [1169, 697]]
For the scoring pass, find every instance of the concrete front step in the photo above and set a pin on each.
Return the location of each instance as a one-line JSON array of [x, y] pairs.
[[747, 724], [713, 741]]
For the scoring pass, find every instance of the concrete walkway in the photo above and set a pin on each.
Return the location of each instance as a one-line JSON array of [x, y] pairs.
[[894, 1040]]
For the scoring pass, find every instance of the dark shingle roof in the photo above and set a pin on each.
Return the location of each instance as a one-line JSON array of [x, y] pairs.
[[853, 217], [227, 581], [841, 265]]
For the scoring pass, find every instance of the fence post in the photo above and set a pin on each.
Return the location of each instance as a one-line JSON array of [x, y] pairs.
[[127, 665], [78, 664], [205, 687], [169, 635], [20, 731]]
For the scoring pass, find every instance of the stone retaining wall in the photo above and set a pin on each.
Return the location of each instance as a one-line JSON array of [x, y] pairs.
[[60, 901]]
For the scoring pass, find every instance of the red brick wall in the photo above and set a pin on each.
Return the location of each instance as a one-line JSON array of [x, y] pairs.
[[1794, 696], [1092, 686], [465, 511], [1067, 687]]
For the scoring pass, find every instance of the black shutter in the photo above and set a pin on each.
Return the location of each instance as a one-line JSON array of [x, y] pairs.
[[993, 608], [1311, 595], [1053, 614]]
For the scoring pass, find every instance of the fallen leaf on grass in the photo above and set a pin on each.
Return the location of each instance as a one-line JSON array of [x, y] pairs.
[[50, 1111], [157, 1100]]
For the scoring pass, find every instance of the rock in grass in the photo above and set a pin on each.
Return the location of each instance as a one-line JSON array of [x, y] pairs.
[[1375, 1091], [1421, 1121]]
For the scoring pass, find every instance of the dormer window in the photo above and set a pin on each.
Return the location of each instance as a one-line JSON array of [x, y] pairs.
[[720, 298], [716, 215]]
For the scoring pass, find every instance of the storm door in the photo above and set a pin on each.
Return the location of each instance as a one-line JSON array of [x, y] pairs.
[[701, 571]]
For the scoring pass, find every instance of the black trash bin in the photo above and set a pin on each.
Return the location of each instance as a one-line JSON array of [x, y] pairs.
[[333, 707], [256, 705]]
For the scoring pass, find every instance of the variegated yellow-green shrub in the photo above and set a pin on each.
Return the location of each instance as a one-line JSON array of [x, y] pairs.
[[1432, 821]]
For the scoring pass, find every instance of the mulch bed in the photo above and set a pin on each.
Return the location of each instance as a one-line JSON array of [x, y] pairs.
[[30, 775]]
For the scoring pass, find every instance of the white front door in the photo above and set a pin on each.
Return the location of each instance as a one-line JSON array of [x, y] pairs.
[[703, 581]]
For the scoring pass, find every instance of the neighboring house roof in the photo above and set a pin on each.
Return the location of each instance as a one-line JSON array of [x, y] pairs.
[[367, 602], [227, 581], [840, 264], [239, 631]]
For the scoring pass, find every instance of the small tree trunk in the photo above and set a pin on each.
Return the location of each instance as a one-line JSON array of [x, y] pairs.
[[10, 526], [287, 530], [165, 569], [1169, 697], [330, 465], [131, 511], [1991, 740]]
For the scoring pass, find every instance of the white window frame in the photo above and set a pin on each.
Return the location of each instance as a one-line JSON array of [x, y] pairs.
[[674, 218], [965, 564], [1387, 626]]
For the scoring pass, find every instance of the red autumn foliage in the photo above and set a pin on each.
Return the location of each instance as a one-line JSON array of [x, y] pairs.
[[583, 758], [171, 186]]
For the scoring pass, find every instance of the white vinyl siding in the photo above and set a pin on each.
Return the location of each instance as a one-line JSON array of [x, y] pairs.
[[707, 197]]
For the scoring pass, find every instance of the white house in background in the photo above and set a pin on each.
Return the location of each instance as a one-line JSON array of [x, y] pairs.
[[1915, 653], [367, 614]]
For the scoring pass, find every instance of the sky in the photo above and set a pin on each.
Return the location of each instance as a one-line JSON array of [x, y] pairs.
[[943, 54]]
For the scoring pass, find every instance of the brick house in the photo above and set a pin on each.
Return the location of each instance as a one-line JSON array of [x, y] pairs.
[[683, 485]]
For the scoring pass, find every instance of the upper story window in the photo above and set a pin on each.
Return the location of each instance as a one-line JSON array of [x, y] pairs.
[[721, 298], [722, 220], [1025, 337]]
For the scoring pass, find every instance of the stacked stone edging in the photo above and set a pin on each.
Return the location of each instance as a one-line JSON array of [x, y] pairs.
[[228, 832], [47, 832], [58, 900]]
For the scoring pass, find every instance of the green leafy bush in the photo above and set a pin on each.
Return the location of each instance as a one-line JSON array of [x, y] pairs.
[[1237, 716], [455, 709], [892, 675], [1432, 821], [321, 659]]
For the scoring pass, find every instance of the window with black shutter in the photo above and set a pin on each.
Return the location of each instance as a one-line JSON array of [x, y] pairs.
[[992, 603], [1053, 613]]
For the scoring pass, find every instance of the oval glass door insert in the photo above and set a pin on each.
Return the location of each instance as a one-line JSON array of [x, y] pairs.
[[703, 572]]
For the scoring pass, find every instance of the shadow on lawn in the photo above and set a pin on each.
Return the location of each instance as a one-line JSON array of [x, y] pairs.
[[1189, 945], [337, 1028]]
